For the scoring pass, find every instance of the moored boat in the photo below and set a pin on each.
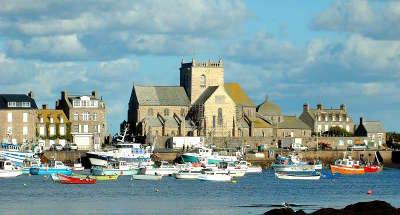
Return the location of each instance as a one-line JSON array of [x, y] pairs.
[[114, 168], [214, 175], [288, 176], [373, 168], [55, 167], [65, 179], [292, 163], [8, 170], [188, 174], [143, 176], [78, 167], [347, 166]]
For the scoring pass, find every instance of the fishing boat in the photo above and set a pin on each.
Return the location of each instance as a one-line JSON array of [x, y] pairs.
[[54, 167], [143, 176], [123, 150], [249, 167], [232, 169], [8, 170], [289, 176], [165, 169], [292, 163], [65, 179], [206, 155], [189, 173], [14, 153], [114, 168], [347, 166], [214, 175], [376, 166]]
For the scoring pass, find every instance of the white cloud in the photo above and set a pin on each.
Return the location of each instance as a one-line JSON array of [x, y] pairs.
[[375, 19]]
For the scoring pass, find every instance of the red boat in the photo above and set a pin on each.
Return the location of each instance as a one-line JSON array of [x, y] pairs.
[[65, 179], [372, 168]]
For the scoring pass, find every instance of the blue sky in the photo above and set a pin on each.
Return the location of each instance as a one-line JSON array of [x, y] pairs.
[[318, 51]]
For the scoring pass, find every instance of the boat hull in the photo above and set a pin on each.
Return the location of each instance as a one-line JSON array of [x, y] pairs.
[[347, 170], [297, 177], [49, 171], [64, 179], [147, 177], [10, 173], [101, 171], [189, 158], [254, 170], [372, 169], [187, 175], [221, 178]]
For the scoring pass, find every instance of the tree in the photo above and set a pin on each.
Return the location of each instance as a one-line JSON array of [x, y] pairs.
[[337, 131]]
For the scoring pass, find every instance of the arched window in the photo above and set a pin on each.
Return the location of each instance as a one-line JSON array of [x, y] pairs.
[[166, 112], [220, 119], [150, 112], [203, 81]]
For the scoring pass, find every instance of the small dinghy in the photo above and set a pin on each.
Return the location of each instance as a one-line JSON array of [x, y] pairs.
[[65, 179], [297, 177]]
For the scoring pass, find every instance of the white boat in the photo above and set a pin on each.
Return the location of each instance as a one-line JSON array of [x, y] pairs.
[[165, 169], [8, 170], [78, 167], [233, 169], [206, 156], [297, 177], [188, 174], [293, 163], [214, 175], [129, 152], [147, 177], [248, 167], [13, 153]]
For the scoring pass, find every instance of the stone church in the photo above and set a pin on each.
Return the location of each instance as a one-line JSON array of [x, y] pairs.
[[203, 105]]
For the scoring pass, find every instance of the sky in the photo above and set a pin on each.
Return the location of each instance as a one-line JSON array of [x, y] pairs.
[[330, 52]]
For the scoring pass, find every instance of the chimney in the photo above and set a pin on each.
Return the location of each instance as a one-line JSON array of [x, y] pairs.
[[319, 106], [94, 94], [44, 106], [342, 107], [305, 107], [30, 94], [361, 120]]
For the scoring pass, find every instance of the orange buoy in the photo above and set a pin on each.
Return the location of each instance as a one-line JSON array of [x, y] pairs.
[[369, 192]]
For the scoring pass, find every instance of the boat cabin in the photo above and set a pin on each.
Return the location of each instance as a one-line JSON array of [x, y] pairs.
[[6, 165]]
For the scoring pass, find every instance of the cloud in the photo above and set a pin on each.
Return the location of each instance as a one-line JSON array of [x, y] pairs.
[[71, 30], [374, 19]]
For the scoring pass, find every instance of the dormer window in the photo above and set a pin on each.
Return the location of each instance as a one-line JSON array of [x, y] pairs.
[[77, 103]]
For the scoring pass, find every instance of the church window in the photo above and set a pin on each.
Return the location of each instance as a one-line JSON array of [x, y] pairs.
[[182, 112], [220, 119], [203, 81], [166, 112], [213, 121]]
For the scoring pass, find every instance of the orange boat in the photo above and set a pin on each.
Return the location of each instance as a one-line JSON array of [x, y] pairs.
[[347, 166]]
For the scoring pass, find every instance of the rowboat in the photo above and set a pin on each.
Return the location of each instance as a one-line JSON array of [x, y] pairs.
[[297, 177], [65, 179]]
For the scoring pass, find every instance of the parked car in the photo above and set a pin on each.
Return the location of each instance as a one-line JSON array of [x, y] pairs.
[[71, 146], [57, 147]]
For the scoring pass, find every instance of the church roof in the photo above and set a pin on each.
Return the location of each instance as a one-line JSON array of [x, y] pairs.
[[161, 95], [260, 123], [292, 122], [237, 94], [205, 95], [267, 108]]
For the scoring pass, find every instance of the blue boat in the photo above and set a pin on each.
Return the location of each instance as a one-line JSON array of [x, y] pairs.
[[56, 167]]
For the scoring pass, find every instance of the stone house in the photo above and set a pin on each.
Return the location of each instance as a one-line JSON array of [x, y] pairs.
[[17, 118], [292, 126], [52, 126], [87, 115], [373, 130], [159, 111], [322, 119]]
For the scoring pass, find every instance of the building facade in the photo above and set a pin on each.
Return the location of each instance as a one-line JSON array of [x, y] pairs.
[[87, 116], [373, 130], [52, 127], [17, 118], [321, 119], [159, 111]]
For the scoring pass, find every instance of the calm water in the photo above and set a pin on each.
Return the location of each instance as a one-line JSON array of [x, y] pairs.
[[253, 194]]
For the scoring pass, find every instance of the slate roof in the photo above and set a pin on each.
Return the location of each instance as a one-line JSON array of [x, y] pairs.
[[161, 95], [5, 98], [260, 123], [292, 122], [237, 94], [153, 121], [373, 127], [205, 95], [267, 108]]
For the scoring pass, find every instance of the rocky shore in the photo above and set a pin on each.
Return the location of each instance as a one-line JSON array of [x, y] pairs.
[[361, 208]]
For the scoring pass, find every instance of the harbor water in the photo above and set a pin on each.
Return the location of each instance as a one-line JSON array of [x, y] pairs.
[[252, 194]]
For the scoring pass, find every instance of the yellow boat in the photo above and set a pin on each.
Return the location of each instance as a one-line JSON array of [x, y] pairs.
[[99, 177]]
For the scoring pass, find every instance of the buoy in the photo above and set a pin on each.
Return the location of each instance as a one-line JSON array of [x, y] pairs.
[[369, 192], [157, 190], [25, 185]]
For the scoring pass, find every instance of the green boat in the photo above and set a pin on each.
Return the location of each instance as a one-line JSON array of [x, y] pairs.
[[98, 177]]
